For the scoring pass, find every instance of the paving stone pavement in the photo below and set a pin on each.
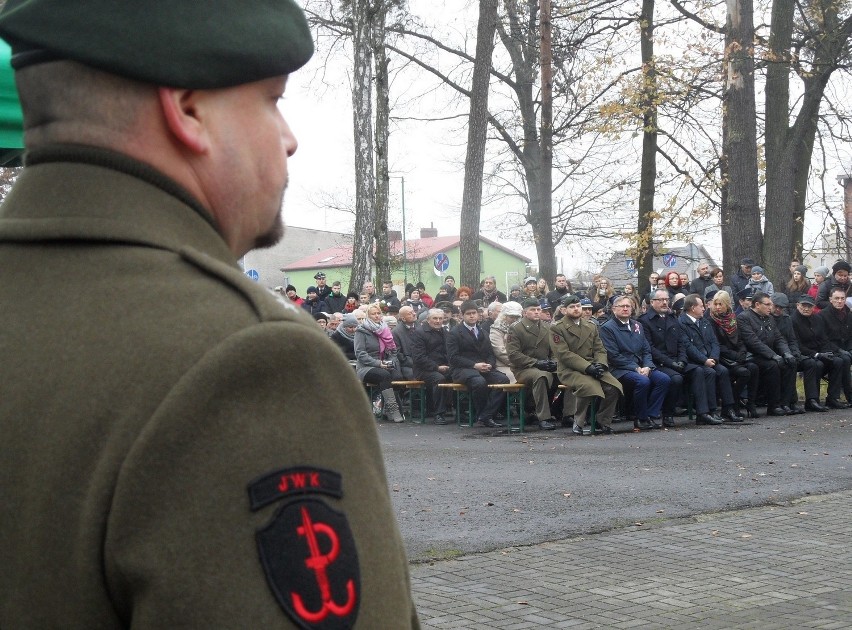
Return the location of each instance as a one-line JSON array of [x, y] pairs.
[[773, 567]]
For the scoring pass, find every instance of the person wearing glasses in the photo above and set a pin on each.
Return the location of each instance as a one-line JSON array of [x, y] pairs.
[[838, 326], [629, 357], [769, 351]]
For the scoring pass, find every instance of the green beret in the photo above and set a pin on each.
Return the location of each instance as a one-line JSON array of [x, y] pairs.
[[214, 44], [530, 302], [570, 299]]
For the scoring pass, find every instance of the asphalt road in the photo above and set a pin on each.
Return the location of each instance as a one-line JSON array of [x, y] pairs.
[[465, 490]]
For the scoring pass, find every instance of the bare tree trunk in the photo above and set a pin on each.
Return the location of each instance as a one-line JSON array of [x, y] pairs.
[[546, 251], [383, 259], [476, 137], [362, 106], [741, 234], [644, 258], [789, 148]]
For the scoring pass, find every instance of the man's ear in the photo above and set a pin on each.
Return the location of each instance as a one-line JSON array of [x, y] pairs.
[[180, 111]]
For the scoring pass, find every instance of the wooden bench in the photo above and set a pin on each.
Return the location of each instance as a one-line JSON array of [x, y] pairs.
[[462, 397], [415, 388], [515, 399]]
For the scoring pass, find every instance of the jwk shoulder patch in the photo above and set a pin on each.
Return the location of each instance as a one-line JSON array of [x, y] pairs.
[[307, 550], [311, 564]]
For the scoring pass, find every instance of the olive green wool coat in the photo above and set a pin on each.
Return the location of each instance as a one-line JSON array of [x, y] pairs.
[[146, 385], [574, 347]]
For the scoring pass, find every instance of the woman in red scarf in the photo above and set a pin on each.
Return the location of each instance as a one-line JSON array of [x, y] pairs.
[[732, 352], [377, 362]]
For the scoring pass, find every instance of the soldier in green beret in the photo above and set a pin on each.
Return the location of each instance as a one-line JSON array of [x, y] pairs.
[[157, 468]]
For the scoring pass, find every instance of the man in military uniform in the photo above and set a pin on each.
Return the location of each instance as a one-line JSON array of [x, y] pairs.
[[581, 364], [528, 349], [156, 466], [323, 290]]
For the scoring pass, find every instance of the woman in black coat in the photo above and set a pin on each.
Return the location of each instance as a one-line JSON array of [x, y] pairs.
[[732, 351]]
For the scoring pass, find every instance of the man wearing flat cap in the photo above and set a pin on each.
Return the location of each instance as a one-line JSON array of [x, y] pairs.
[[838, 280], [813, 343], [742, 277], [157, 466]]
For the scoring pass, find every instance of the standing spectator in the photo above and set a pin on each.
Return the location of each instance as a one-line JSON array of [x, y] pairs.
[[703, 281], [443, 295], [474, 365], [516, 294], [388, 297], [370, 291], [742, 277], [530, 288], [528, 348], [820, 275], [629, 358], [760, 282], [509, 314], [431, 363], [839, 280], [838, 327], [463, 294], [427, 299], [581, 361], [814, 343], [290, 292], [376, 354], [603, 294], [673, 286], [450, 281], [352, 302], [769, 350], [543, 289], [562, 287], [732, 352], [335, 300], [415, 303], [489, 293], [323, 290], [630, 291], [718, 284], [312, 303], [798, 285]]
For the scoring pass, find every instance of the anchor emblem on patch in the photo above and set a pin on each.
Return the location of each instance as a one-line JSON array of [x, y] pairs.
[[308, 554]]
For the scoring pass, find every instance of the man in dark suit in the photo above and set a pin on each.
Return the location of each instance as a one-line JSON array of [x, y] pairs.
[[629, 357], [669, 354], [769, 349], [474, 365], [431, 364], [702, 349]]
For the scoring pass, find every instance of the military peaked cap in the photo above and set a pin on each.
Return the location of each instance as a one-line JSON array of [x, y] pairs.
[[214, 44]]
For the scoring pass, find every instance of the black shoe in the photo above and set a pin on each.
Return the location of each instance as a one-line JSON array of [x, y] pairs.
[[731, 416], [751, 411], [706, 418], [717, 416], [680, 411], [833, 403], [642, 425], [787, 409], [603, 429], [440, 419], [490, 423], [655, 423], [777, 411], [577, 430], [795, 410], [813, 405], [668, 422], [546, 425]]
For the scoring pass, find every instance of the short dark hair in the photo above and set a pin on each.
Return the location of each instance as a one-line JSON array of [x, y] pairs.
[[468, 305], [758, 296], [691, 300]]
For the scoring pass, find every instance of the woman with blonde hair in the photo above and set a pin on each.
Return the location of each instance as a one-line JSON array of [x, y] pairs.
[[509, 314], [732, 351], [377, 361]]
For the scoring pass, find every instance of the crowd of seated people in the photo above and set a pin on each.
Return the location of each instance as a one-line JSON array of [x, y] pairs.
[[720, 346]]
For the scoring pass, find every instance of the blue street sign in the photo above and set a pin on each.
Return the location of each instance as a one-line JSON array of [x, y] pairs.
[[670, 260], [252, 273], [631, 264], [442, 262]]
